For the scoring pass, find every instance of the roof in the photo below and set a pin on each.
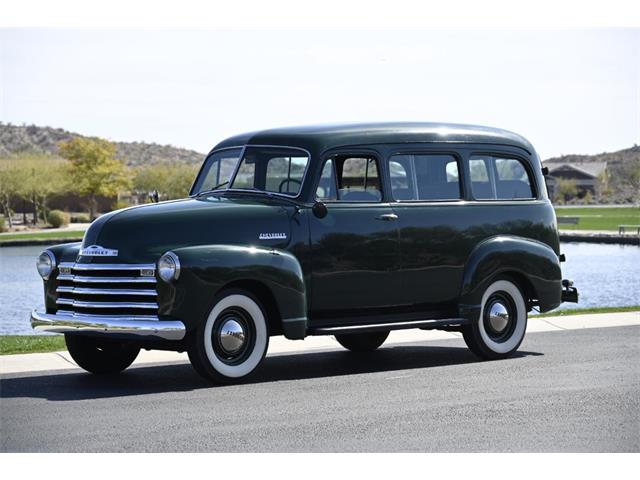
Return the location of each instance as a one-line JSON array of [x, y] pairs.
[[323, 137], [592, 169]]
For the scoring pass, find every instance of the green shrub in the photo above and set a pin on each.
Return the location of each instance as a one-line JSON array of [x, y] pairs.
[[58, 218], [80, 218], [2, 227], [117, 205]]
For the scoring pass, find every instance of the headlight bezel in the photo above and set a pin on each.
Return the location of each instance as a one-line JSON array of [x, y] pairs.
[[46, 254], [168, 267]]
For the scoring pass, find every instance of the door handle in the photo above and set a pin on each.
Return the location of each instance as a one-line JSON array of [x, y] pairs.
[[388, 217]]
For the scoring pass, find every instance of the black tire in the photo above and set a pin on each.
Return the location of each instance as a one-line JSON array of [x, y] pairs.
[[501, 324], [100, 356], [362, 342], [232, 341]]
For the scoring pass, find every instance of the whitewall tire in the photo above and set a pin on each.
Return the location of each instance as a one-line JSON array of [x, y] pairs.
[[500, 327], [233, 339]]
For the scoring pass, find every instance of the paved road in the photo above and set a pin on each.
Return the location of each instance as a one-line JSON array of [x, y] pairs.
[[575, 390]]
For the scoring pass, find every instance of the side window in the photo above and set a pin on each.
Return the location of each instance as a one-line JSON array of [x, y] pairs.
[[401, 182], [246, 176], [499, 178], [327, 186], [512, 179], [358, 180], [426, 177], [350, 179], [481, 186], [284, 174]]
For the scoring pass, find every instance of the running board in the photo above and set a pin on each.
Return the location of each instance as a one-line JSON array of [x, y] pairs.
[[375, 327]]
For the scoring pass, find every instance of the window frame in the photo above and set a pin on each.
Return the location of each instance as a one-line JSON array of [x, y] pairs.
[[461, 174], [243, 149], [493, 175], [350, 154]]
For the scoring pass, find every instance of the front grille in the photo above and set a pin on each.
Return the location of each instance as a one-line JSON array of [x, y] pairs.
[[127, 290]]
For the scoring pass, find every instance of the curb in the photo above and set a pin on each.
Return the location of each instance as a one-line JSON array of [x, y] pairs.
[[35, 362]]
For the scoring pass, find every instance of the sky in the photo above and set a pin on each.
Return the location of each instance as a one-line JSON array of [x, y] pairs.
[[567, 91]]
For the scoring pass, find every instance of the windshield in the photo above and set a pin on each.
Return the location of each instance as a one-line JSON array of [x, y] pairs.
[[271, 169], [217, 171]]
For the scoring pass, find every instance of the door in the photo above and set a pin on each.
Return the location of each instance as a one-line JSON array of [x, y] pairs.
[[355, 250], [433, 223]]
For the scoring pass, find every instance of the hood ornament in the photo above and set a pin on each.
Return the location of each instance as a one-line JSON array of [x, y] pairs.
[[98, 251]]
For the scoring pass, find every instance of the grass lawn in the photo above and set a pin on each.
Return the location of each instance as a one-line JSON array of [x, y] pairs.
[[57, 234], [607, 218], [30, 343]]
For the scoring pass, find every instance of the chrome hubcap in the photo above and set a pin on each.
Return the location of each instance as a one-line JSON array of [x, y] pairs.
[[232, 336], [498, 317]]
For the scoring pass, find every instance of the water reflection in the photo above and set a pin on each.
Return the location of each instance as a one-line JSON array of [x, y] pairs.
[[606, 275]]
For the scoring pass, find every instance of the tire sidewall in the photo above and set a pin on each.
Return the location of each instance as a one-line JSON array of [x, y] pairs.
[[501, 349], [214, 366]]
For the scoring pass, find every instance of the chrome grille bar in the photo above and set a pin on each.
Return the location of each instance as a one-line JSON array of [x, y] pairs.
[[81, 279], [108, 266], [83, 304], [106, 291]]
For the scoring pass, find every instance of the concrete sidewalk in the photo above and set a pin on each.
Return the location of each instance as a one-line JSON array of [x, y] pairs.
[[34, 362]]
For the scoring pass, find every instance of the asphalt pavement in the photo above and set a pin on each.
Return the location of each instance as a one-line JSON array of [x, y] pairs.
[[570, 390]]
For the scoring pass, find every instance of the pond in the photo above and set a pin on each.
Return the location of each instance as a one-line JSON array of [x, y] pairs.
[[606, 275]]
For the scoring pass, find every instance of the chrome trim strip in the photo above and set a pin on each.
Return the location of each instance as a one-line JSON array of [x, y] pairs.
[[81, 279], [82, 304], [106, 324], [106, 291], [108, 266]]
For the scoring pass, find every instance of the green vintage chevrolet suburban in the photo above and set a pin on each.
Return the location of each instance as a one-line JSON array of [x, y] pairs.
[[343, 230]]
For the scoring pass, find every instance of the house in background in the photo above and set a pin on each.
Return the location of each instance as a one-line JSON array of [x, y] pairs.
[[588, 176]]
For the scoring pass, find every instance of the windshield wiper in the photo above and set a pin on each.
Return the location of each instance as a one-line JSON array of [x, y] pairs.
[[211, 190]]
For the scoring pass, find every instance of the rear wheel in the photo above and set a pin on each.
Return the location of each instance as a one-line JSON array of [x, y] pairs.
[[101, 356], [500, 328], [232, 341], [362, 342]]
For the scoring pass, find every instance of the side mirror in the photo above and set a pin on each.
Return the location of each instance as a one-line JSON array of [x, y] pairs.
[[319, 209]]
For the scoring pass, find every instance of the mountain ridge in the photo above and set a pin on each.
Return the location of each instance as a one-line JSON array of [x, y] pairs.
[[15, 139]]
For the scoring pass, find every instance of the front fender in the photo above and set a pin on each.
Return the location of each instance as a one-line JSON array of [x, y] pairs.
[[504, 254], [206, 269]]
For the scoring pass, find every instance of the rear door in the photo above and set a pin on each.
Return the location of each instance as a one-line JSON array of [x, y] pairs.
[[432, 218]]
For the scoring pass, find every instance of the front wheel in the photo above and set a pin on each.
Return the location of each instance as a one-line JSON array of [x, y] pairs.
[[232, 341], [101, 356], [362, 342], [500, 328]]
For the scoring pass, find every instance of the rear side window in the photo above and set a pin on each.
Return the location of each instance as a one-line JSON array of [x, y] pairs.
[[424, 177], [499, 178]]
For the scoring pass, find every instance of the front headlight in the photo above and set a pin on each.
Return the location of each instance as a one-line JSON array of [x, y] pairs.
[[45, 264], [169, 267]]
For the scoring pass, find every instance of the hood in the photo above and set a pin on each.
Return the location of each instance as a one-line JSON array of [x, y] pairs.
[[142, 234]]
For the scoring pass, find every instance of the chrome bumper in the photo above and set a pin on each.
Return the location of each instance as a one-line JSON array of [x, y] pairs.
[[85, 323]]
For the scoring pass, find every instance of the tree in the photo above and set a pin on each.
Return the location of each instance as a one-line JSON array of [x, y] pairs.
[[11, 177], [42, 176], [171, 181], [95, 171], [566, 190]]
